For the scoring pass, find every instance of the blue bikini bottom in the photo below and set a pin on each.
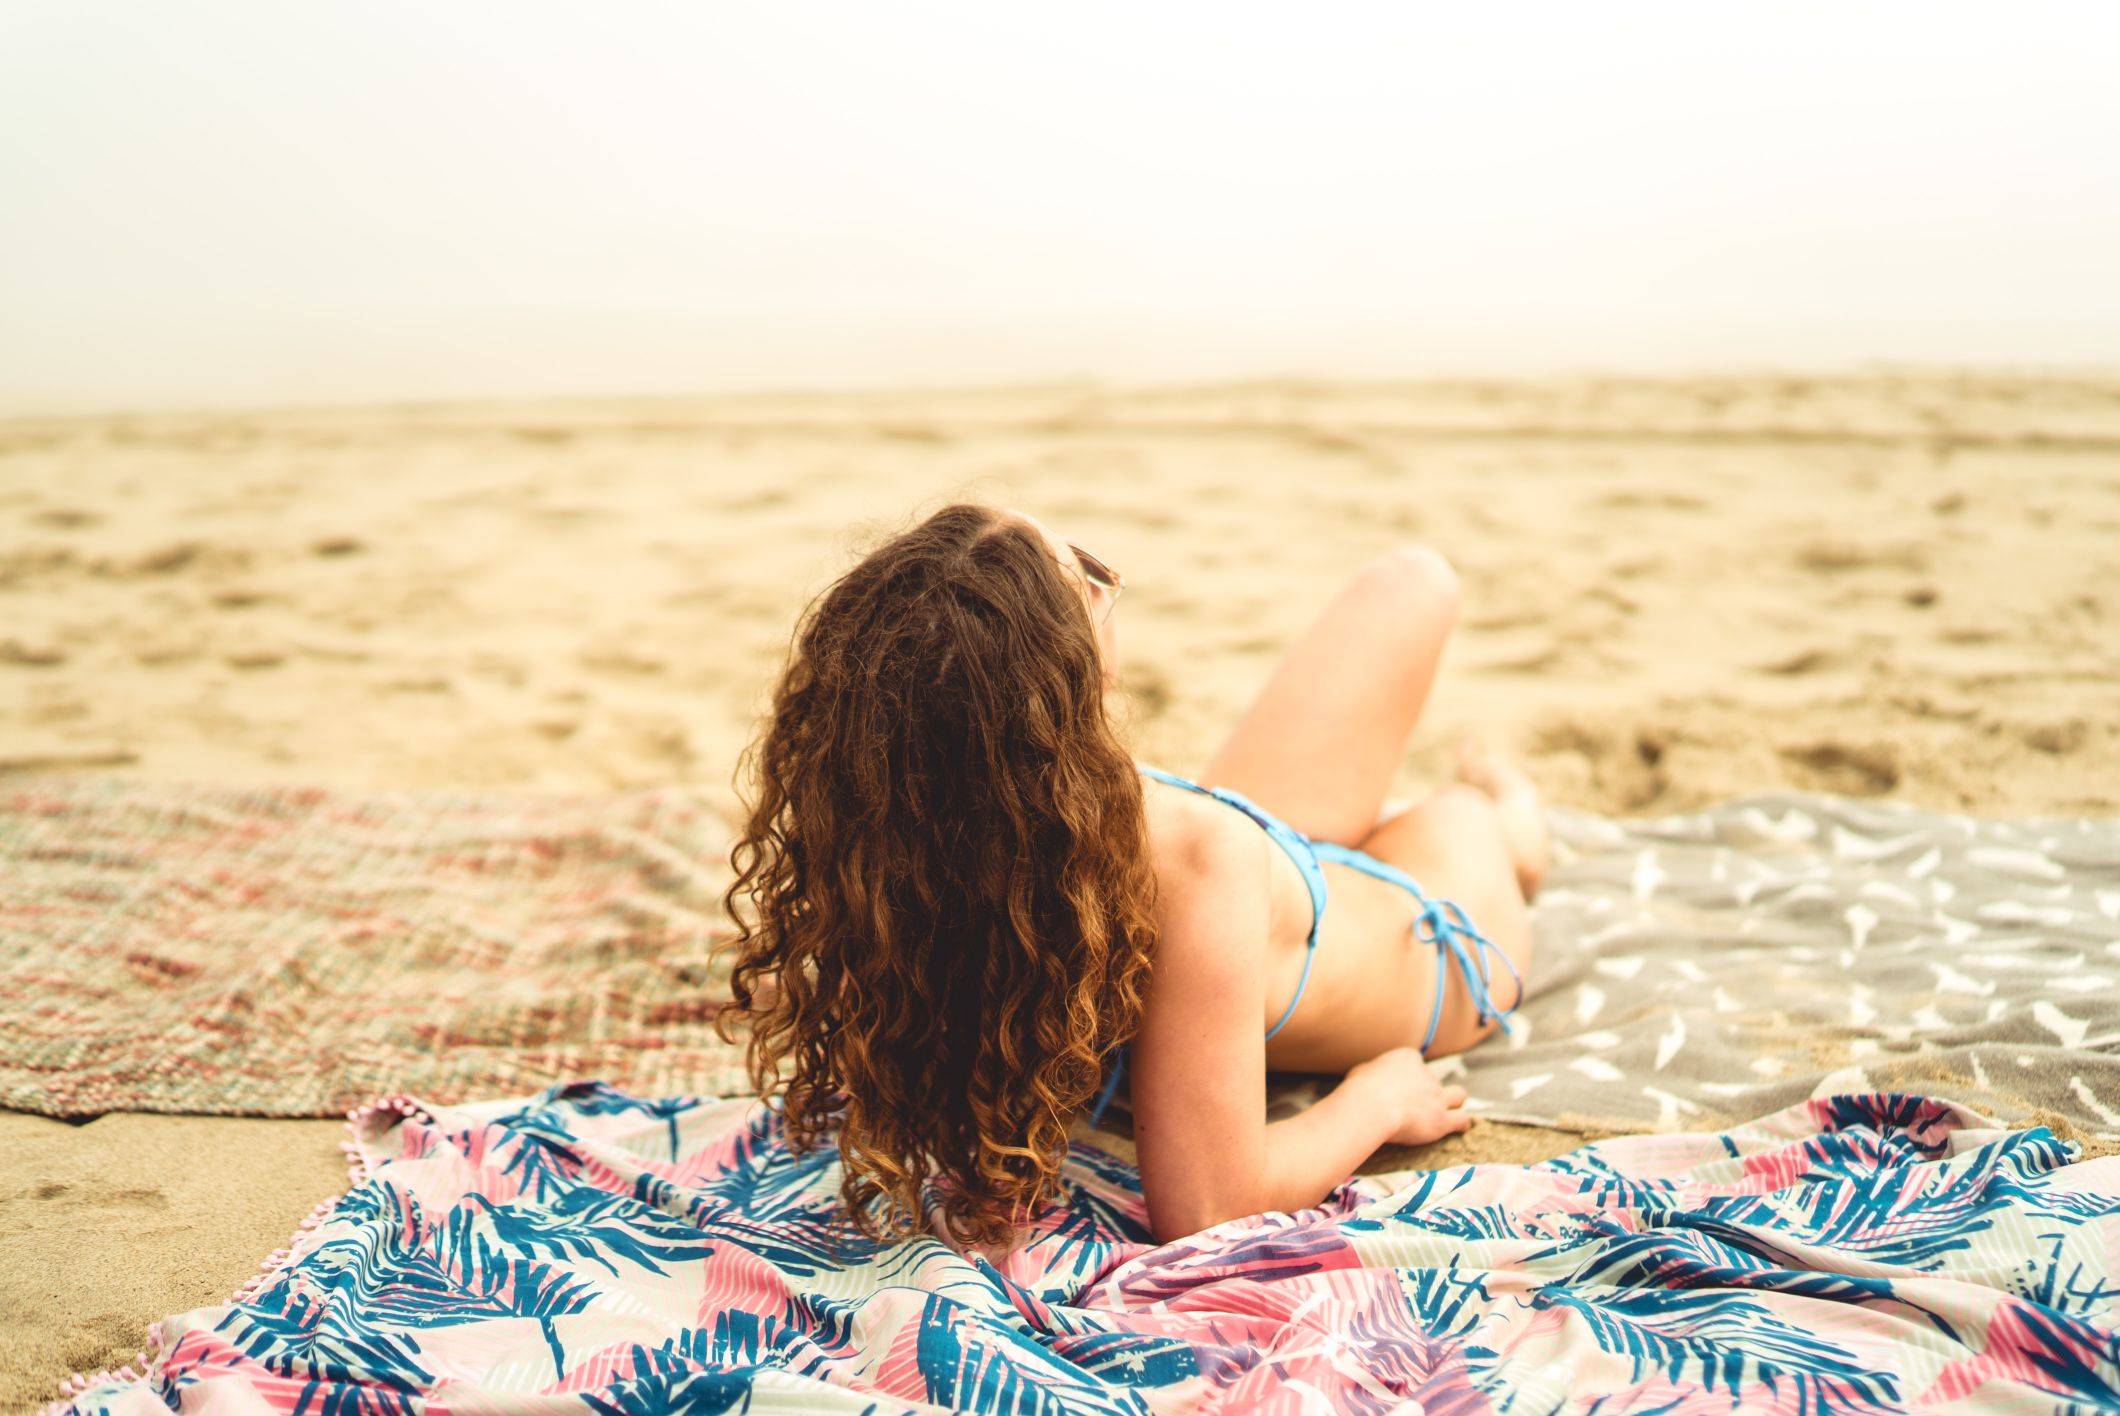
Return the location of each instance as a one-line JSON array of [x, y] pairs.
[[1438, 922]]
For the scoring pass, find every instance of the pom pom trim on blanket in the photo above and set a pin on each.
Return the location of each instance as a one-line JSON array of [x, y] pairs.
[[359, 1169]]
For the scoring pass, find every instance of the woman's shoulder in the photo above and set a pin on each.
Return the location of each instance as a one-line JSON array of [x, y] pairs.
[[1212, 884], [1195, 839]]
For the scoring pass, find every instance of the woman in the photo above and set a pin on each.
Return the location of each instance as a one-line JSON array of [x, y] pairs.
[[964, 907]]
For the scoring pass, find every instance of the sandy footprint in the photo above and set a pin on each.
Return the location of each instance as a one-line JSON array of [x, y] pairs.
[[1853, 769]]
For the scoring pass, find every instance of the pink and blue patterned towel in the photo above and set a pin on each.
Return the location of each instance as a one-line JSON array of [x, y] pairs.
[[587, 1251]]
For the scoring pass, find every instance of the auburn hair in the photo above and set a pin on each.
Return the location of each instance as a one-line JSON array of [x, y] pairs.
[[943, 896]]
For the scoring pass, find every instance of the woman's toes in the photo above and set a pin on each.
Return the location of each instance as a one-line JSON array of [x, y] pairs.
[[1479, 765]]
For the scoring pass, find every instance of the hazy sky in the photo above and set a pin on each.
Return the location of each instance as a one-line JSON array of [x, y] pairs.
[[210, 202]]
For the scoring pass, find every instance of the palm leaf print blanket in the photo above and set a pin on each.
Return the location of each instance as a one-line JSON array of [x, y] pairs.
[[586, 1251]]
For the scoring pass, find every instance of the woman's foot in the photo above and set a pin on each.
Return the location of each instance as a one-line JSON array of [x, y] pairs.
[[1517, 802]]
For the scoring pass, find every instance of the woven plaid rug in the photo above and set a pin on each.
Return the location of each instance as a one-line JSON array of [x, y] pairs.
[[292, 952]]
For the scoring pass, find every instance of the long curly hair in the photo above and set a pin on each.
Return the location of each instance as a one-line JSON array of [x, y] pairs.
[[943, 895]]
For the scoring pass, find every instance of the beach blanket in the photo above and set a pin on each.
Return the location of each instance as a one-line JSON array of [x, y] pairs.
[[286, 952], [587, 1251], [1697, 969]]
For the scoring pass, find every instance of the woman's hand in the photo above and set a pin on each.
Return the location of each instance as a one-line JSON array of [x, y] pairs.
[[1416, 1106]]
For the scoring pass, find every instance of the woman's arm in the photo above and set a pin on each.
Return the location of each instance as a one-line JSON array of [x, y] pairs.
[[1199, 1061], [1207, 1153]]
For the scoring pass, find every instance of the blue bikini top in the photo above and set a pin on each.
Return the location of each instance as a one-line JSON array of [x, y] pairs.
[[1300, 848], [1441, 923]]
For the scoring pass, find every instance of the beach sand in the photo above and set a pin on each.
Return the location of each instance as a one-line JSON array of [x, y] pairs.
[[1676, 590]]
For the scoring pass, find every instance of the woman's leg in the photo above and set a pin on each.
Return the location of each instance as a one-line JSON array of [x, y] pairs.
[[1320, 744], [1456, 844], [1519, 806]]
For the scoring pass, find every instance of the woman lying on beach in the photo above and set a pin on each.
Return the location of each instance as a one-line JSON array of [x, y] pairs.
[[965, 908]]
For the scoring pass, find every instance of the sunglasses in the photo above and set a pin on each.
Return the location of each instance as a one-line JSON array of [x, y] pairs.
[[1102, 578]]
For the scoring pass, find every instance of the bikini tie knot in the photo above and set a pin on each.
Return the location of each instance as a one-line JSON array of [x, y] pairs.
[[1444, 924]]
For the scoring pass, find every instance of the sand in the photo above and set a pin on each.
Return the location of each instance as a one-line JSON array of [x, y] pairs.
[[1677, 590], [108, 1225]]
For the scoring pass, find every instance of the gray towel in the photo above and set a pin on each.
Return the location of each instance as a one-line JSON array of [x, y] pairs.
[[1699, 969]]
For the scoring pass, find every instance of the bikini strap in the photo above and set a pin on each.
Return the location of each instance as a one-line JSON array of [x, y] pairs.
[[1293, 843], [1172, 779], [1310, 956], [1444, 924]]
